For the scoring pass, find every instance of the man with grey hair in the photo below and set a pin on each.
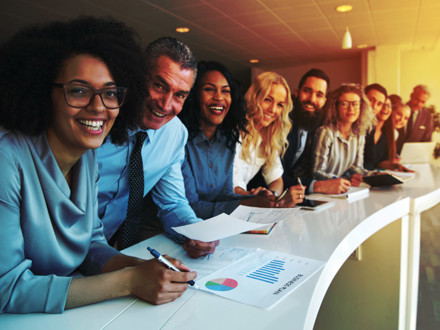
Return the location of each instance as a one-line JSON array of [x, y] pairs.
[[152, 159], [420, 124]]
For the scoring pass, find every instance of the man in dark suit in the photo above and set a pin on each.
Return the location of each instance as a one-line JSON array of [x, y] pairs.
[[420, 125], [309, 99]]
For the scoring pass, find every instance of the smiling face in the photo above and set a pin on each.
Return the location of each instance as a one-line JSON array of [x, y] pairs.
[[272, 106], [385, 112], [75, 130], [168, 87], [214, 99], [348, 108], [377, 99], [401, 115], [312, 94]]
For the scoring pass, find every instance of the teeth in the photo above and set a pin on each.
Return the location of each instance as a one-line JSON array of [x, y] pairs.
[[216, 108], [94, 125], [158, 114]]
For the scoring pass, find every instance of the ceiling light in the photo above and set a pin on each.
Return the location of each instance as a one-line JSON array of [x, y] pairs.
[[344, 8], [182, 29], [254, 60], [346, 40]]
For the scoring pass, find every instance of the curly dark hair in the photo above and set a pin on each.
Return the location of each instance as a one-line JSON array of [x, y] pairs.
[[235, 120], [33, 58]]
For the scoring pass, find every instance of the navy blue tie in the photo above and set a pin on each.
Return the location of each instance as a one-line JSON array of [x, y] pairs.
[[131, 225]]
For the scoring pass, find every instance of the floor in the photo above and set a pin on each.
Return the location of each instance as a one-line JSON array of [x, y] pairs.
[[428, 314]]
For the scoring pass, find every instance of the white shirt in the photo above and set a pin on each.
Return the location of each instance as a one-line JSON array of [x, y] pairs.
[[245, 170]]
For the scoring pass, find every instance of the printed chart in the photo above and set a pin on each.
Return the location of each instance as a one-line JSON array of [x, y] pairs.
[[262, 278], [221, 284]]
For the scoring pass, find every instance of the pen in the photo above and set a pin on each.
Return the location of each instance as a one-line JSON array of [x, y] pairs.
[[300, 183], [163, 260], [282, 195]]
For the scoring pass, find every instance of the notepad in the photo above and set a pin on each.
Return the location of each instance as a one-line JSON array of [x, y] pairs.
[[262, 230], [353, 193]]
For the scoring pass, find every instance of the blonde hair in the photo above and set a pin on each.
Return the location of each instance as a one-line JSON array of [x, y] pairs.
[[274, 137], [366, 119]]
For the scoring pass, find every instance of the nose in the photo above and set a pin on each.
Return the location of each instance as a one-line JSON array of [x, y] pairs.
[[217, 95], [312, 98], [166, 102], [96, 104], [273, 108]]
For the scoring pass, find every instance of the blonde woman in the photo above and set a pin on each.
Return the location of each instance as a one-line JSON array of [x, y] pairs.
[[339, 144], [268, 105]]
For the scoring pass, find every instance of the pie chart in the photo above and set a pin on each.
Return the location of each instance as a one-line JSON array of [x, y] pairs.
[[221, 284]]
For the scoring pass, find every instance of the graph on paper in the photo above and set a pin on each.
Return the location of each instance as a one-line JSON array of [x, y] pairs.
[[269, 272], [261, 278]]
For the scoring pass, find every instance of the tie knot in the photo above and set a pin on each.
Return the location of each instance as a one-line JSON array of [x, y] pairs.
[[140, 137]]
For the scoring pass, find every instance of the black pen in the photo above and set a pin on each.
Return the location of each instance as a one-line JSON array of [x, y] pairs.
[[167, 263]]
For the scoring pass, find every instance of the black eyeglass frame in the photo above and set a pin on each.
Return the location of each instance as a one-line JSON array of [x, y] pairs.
[[92, 97]]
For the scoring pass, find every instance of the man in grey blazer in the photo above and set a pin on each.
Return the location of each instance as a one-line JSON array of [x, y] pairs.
[[420, 125]]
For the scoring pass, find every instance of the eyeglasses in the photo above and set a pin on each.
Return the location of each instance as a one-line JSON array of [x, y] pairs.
[[346, 104], [80, 96]]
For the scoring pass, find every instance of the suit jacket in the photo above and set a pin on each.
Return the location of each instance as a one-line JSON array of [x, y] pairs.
[[421, 130], [300, 167]]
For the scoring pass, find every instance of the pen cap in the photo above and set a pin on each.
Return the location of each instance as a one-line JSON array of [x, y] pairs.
[[153, 252]]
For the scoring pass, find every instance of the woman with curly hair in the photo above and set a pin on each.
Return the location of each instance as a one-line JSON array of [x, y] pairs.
[[214, 115], [268, 105], [339, 143], [62, 87]]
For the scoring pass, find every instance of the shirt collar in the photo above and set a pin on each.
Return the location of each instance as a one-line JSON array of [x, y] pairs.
[[151, 134], [200, 137]]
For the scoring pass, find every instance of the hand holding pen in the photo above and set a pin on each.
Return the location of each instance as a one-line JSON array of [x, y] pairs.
[[168, 264], [291, 196]]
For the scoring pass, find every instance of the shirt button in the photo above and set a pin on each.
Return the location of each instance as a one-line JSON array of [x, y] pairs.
[[210, 165]]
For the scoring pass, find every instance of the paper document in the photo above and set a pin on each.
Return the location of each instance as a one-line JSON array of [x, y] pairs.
[[262, 278], [206, 265], [263, 215], [216, 228]]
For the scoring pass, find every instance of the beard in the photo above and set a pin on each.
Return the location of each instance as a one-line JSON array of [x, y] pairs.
[[304, 119]]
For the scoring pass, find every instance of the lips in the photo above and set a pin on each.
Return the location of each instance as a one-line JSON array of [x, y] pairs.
[[217, 109], [157, 114], [93, 125], [309, 106]]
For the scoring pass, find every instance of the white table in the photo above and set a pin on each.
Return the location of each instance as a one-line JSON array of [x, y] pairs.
[[331, 235]]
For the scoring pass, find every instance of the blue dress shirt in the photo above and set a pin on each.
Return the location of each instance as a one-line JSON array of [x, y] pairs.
[[207, 171], [163, 153], [48, 229]]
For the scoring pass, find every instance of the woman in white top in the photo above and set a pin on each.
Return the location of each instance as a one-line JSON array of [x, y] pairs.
[[339, 144], [268, 106]]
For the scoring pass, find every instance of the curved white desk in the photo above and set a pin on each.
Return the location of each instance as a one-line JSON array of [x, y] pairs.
[[331, 235]]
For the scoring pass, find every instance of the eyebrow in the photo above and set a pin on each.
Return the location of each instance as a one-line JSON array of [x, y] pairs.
[[85, 82], [211, 84]]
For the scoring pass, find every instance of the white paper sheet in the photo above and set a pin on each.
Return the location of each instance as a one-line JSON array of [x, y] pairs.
[[206, 265], [261, 279], [216, 228], [263, 215]]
